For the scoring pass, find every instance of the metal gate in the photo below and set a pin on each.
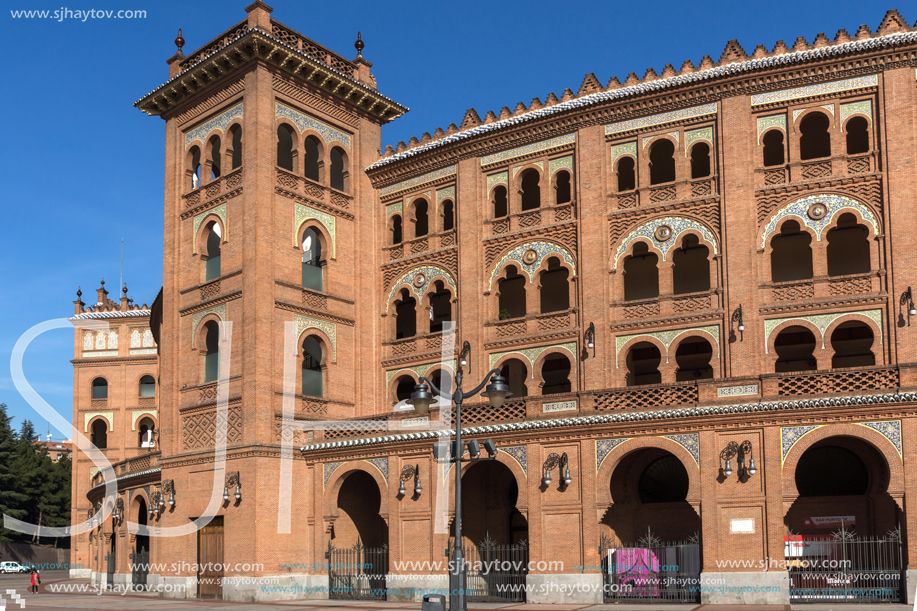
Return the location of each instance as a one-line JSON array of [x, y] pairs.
[[140, 567], [110, 569], [651, 571], [357, 573], [495, 573], [845, 568]]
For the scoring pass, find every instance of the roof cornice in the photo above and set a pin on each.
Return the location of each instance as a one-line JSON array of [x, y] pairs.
[[255, 44], [702, 76]]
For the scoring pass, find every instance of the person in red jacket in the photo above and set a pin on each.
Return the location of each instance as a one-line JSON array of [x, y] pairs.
[[36, 579]]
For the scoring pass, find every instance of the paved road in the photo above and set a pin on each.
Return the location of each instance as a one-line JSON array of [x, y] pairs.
[[59, 601]]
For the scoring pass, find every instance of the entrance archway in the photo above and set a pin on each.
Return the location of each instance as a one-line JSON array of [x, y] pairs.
[[359, 501]]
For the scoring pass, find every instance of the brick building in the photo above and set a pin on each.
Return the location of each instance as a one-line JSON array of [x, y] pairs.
[[663, 269]]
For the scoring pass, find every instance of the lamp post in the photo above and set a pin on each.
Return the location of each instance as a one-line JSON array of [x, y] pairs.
[[497, 391]]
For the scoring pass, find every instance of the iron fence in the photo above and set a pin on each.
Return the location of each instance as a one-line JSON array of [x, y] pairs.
[[651, 570], [357, 573]]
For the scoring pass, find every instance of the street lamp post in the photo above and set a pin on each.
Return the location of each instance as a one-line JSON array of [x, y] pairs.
[[497, 391]]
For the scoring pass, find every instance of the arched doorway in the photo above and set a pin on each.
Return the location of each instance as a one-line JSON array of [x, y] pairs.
[[140, 557]]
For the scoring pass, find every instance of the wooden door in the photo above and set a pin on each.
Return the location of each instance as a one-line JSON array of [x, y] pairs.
[[210, 560]]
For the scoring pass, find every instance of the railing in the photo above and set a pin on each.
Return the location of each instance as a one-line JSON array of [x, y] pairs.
[[815, 169], [667, 305], [303, 186], [532, 324], [547, 214], [646, 397], [841, 381], [311, 48], [666, 193], [822, 287], [208, 191], [414, 246]]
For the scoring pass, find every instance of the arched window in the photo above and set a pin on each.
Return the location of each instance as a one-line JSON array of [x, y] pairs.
[[215, 157], [627, 176], [791, 255], [312, 384], [564, 191], [397, 234], [512, 295], [516, 374], [700, 160], [664, 480], [147, 386], [312, 160], [99, 434], [404, 388], [442, 380], [312, 260], [440, 307], [774, 152], [448, 215], [555, 371], [848, 247], [641, 276], [500, 206], [212, 256], [100, 388], [690, 267], [857, 136], [236, 147], [815, 141], [146, 433], [531, 190], [555, 290], [795, 348], [285, 148], [211, 352], [405, 316], [643, 364], [340, 176], [693, 360], [195, 169], [421, 218], [852, 342], [662, 161]]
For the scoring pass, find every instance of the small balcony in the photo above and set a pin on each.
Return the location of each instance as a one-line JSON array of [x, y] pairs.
[[823, 287], [539, 217], [666, 193], [531, 325], [839, 166]]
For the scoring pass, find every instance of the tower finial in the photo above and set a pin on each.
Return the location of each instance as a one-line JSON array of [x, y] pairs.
[[179, 41], [124, 290], [359, 46], [79, 293]]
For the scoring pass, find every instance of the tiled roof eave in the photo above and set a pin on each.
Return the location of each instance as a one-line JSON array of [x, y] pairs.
[[795, 57], [687, 412], [115, 314]]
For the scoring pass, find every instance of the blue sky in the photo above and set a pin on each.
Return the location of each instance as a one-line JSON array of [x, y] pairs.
[[82, 169]]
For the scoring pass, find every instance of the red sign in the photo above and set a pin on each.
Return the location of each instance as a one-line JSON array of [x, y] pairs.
[[829, 521]]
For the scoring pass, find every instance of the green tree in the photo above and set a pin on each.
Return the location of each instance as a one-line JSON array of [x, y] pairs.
[[27, 431], [11, 497]]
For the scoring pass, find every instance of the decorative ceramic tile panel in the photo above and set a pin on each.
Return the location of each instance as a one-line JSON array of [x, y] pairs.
[[737, 391], [517, 256], [112, 341], [219, 310], [659, 119], [562, 406], [799, 111], [603, 448], [219, 122], [301, 214], [417, 181], [304, 122], [382, 465], [648, 139], [668, 337], [219, 211], [102, 353], [808, 91], [765, 123], [421, 280], [562, 162], [789, 435], [821, 322], [501, 178], [698, 134], [519, 151], [678, 225], [890, 429], [863, 107], [396, 208], [148, 339], [540, 165], [420, 370], [135, 338], [412, 422], [142, 351], [137, 413], [520, 455], [448, 192], [330, 468], [100, 341], [531, 354], [87, 341], [629, 148], [800, 209], [109, 417], [690, 442], [330, 329]]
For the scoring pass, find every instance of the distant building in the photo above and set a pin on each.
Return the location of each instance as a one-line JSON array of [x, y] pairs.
[[56, 449]]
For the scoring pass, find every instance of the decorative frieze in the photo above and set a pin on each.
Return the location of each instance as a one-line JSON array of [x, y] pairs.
[[790, 435], [418, 180], [661, 118], [539, 164], [628, 148], [666, 338], [420, 279], [808, 91], [863, 107], [890, 429], [765, 123], [535, 147], [448, 192], [304, 122], [603, 448], [501, 178], [664, 235], [562, 406], [420, 370], [329, 468], [737, 391], [528, 257], [559, 163], [531, 354], [382, 465], [802, 210], [694, 135], [301, 214], [520, 455], [329, 328], [219, 122], [821, 322], [396, 208], [690, 442]]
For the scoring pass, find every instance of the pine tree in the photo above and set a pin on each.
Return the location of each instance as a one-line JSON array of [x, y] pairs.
[[27, 431], [11, 498]]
